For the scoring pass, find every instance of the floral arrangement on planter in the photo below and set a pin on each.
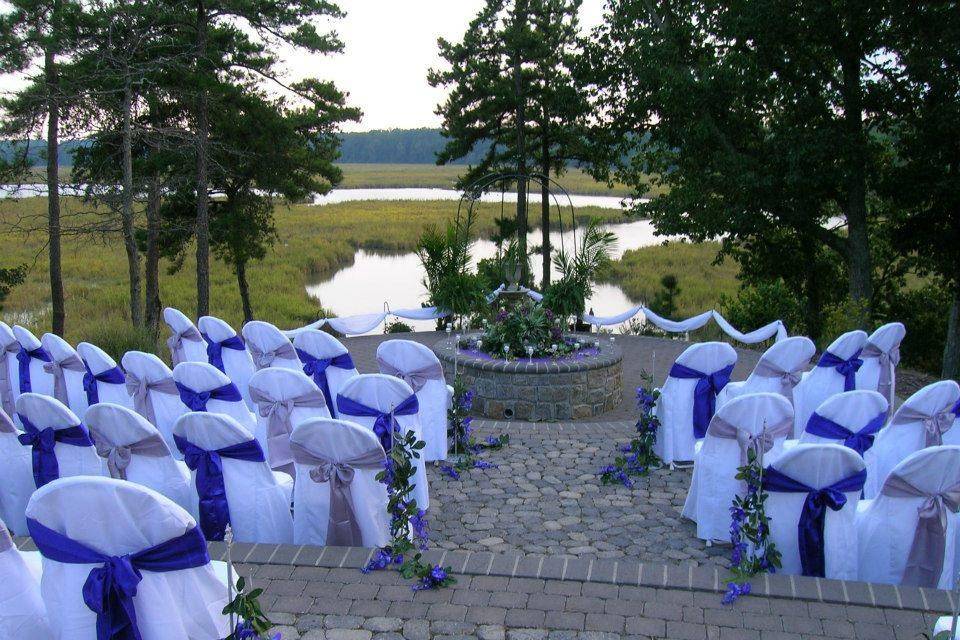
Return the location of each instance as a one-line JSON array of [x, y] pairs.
[[408, 525], [526, 329], [465, 447], [753, 552], [637, 458]]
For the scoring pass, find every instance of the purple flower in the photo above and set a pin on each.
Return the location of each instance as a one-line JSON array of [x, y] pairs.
[[447, 470], [483, 464], [438, 574], [734, 591]]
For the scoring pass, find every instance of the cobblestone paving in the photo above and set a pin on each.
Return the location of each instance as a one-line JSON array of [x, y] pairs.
[[315, 603], [545, 498]]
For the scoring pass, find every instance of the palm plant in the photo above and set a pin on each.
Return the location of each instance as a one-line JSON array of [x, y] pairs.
[[567, 296]]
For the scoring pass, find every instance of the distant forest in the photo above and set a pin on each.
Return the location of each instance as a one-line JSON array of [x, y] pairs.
[[391, 146]]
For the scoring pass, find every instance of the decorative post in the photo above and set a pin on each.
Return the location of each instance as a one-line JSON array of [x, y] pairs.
[[228, 538]]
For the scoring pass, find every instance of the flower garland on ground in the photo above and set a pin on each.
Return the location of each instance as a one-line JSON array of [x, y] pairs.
[[753, 552], [465, 446], [637, 458], [408, 524]]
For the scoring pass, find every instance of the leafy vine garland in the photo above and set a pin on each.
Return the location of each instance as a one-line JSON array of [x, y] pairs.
[[753, 552], [637, 458], [408, 523], [465, 446]]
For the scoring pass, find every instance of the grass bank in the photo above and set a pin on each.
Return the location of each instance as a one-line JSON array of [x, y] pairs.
[[313, 243], [701, 282]]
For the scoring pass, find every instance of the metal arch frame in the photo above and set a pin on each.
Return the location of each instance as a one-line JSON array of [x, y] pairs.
[[473, 193]]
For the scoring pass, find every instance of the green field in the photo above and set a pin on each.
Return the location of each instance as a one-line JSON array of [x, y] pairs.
[[314, 242], [701, 282]]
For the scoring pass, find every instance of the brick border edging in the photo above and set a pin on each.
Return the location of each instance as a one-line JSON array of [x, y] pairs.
[[621, 572]]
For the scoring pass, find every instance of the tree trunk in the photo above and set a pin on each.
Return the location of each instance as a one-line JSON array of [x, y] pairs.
[[861, 269], [521, 124], [951, 347], [152, 267], [53, 191], [545, 247], [126, 214], [203, 210], [241, 269]]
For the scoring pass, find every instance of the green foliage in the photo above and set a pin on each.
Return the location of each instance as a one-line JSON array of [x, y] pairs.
[[842, 317], [117, 337], [445, 256], [756, 305], [638, 457], [397, 326], [525, 329], [246, 606], [924, 311], [10, 278], [567, 296], [664, 302]]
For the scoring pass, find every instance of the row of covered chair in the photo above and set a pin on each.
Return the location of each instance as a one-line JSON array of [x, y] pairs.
[[699, 381]]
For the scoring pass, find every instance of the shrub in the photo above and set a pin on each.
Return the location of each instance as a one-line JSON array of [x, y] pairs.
[[924, 312], [756, 305], [397, 327], [117, 339]]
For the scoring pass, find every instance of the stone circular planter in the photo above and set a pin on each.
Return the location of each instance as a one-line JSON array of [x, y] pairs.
[[575, 387]]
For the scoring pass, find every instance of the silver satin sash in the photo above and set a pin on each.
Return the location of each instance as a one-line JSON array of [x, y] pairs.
[[6, 542], [343, 530], [760, 443], [118, 456], [139, 390], [56, 369], [933, 426], [175, 343], [416, 378], [6, 385], [788, 379], [6, 424], [925, 562], [278, 413], [264, 359], [888, 362]]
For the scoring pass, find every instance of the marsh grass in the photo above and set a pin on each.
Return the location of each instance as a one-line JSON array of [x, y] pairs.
[[701, 282], [314, 242]]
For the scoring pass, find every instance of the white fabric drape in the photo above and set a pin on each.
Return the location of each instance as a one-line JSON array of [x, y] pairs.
[[774, 329]]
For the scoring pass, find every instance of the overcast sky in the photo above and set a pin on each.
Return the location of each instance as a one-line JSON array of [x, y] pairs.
[[390, 45]]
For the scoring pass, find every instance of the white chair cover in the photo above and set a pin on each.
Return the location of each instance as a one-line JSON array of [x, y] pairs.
[[46, 412], [22, 612], [185, 342], [259, 505], [134, 450], [269, 347], [384, 393], [853, 410], [9, 369], [40, 380], [778, 371], [817, 466], [419, 367], [675, 407], [237, 364], [159, 401], [68, 370], [16, 477], [924, 420], [119, 518], [714, 484], [98, 361], [338, 440], [820, 383], [945, 623], [881, 355], [200, 377], [322, 345], [887, 525], [284, 398]]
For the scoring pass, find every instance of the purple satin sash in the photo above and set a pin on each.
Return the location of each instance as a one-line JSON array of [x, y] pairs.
[[43, 441], [215, 349], [316, 368], [214, 510], [109, 589], [847, 368], [24, 357], [705, 393], [385, 423], [90, 380], [197, 400], [813, 514], [859, 441]]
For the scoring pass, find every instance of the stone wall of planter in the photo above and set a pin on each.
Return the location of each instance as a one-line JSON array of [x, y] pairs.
[[582, 387]]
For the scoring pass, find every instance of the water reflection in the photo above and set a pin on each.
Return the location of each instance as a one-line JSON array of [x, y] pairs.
[[397, 280]]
